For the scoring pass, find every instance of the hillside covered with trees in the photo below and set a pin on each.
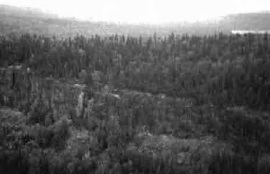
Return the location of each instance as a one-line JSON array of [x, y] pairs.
[[123, 104], [234, 68]]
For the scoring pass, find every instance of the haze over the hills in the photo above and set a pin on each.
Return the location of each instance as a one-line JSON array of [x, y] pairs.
[[27, 20], [144, 11]]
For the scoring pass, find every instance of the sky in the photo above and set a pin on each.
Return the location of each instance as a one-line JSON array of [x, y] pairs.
[[144, 11]]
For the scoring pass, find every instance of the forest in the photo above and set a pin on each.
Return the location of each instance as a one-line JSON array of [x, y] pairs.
[[126, 104]]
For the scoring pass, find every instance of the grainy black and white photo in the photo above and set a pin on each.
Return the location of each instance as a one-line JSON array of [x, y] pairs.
[[134, 87]]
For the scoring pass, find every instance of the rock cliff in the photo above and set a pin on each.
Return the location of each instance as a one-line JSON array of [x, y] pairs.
[[20, 88]]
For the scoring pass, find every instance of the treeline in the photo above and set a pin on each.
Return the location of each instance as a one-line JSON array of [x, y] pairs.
[[226, 70]]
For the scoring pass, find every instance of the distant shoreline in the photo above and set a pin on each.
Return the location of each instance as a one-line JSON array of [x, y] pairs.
[[250, 31]]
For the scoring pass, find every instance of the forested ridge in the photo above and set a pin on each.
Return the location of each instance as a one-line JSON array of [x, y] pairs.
[[170, 104], [224, 69], [17, 21]]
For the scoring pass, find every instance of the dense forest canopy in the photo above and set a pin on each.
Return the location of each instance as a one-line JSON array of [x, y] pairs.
[[139, 91], [231, 69]]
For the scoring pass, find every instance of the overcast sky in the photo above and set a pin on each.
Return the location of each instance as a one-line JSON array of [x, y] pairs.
[[144, 11]]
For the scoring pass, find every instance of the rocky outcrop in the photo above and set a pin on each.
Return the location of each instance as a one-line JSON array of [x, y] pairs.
[[20, 88]]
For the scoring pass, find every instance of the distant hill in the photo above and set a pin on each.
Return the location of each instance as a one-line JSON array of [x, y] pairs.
[[25, 20], [17, 20], [246, 21]]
